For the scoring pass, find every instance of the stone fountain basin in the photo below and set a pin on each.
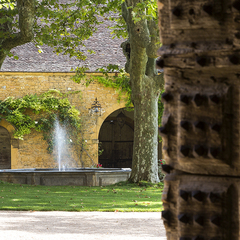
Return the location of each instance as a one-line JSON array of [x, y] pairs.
[[71, 176]]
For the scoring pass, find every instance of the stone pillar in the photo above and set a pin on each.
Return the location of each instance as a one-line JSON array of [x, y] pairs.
[[201, 60]]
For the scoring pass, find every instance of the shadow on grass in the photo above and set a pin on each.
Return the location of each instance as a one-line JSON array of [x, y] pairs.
[[124, 196]]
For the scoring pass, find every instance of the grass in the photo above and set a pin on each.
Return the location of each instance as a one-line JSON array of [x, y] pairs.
[[122, 197]]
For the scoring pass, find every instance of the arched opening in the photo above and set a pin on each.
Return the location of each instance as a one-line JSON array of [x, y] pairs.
[[116, 140], [5, 149]]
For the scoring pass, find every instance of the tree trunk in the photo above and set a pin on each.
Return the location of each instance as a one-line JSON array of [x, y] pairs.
[[145, 85], [2, 58], [145, 155], [11, 39]]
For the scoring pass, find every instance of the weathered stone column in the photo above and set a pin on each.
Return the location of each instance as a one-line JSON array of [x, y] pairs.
[[201, 59]]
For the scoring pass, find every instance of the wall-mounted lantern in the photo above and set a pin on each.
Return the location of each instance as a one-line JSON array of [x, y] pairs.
[[95, 109]]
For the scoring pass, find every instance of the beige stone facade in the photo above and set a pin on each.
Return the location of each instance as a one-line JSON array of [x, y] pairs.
[[32, 151]]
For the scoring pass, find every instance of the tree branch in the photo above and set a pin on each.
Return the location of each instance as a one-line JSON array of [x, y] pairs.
[[124, 12], [138, 29], [155, 40], [26, 11], [152, 48]]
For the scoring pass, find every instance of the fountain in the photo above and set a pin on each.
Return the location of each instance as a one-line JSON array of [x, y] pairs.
[[64, 175], [60, 144]]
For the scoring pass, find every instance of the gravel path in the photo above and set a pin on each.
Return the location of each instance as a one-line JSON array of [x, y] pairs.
[[81, 225]]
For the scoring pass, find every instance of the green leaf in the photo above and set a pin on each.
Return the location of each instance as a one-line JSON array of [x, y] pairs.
[[12, 6]]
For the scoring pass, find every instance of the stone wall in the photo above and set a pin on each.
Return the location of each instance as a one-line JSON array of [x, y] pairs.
[[32, 151]]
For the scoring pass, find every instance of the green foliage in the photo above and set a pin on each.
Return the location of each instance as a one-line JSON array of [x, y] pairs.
[[120, 81], [122, 197], [7, 4], [65, 26], [8, 21], [150, 9], [33, 112]]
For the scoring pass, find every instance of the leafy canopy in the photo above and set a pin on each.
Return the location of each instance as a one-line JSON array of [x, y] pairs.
[[66, 25]]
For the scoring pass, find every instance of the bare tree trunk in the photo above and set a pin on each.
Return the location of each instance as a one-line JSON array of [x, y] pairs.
[[145, 154], [140, 51]]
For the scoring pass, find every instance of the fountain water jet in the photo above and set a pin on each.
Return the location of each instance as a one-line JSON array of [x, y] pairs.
[[60, 144]]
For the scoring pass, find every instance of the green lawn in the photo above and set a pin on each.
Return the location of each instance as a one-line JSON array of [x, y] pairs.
[[122, 197]]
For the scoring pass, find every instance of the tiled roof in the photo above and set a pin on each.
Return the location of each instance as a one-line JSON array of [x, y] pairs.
[[107, 51]]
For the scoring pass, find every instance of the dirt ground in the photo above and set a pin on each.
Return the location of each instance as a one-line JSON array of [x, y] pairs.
[[81, 225]]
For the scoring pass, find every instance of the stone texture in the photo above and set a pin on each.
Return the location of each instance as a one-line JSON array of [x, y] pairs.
[[73, 177], [200, 54], [201, 206]]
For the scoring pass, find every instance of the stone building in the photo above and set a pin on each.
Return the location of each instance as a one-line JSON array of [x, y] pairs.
[[36, 73]]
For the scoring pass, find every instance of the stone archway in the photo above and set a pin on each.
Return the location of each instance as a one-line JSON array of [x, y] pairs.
[[7, 131], [116, 140], [5, 149]]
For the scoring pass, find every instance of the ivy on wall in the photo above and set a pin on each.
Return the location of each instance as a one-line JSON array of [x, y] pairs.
[[33, 112], [120, 82]]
